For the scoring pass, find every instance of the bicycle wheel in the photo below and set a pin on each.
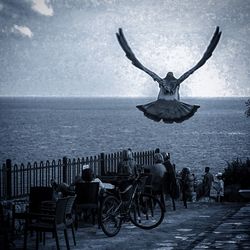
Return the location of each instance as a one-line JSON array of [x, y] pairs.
[[146, 212], [110, 216]]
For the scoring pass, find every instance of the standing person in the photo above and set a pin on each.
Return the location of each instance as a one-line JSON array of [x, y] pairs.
[[127, 164], [207, 183], [170, 183], [219, 187], [158, 171], [187, 185], [126, 168]]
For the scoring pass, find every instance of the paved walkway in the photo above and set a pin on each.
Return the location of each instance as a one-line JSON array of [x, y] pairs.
[[200, 226]]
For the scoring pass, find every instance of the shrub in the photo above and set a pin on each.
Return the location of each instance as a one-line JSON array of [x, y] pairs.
[[238, 172], [236, 176]]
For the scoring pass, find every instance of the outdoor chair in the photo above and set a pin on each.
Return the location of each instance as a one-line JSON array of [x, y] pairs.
[[48, 222], [37, 196], [5, 230], [69, 216], [87, 199], [19, 209]]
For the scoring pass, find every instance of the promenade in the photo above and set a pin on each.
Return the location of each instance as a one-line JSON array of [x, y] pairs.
[[203, 225]]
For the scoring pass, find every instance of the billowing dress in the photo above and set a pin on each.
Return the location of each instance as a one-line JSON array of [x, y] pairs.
[[168, 108]]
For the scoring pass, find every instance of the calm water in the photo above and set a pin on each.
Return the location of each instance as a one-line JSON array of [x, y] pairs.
[[34, 129]]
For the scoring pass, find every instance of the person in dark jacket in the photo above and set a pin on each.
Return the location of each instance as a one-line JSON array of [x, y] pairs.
[[170, 183], [208, 180], [158, 171], [187, 185]]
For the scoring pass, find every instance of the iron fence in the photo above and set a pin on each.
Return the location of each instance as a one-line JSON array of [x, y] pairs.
[[16, 180]]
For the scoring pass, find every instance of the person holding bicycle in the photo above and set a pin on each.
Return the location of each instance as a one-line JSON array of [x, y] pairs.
[[127, 164], [158, 172], [126, 171]]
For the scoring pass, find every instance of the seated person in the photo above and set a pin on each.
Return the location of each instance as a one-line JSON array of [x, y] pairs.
[[60, 190], [88, 176]]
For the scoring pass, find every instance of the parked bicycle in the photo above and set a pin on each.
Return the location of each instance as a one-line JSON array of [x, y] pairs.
[[143, 210]]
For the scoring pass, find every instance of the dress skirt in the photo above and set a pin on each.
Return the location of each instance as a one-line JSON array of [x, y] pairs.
[[168, 111]]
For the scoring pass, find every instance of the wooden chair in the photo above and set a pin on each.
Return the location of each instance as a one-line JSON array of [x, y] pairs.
[[87, 199], [41, 223]]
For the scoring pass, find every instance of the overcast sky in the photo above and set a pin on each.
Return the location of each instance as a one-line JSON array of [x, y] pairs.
[[69, 47]]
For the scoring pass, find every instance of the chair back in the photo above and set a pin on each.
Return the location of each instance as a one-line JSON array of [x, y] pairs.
[[61, 205], [69, 205], [87, 192], [37, 195]]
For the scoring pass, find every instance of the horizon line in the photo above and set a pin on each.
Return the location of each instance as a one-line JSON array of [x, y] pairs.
[[99, 96]]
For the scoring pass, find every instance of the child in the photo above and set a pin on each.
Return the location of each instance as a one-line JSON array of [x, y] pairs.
[[219, 187]]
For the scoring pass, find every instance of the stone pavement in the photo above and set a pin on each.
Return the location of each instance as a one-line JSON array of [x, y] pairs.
[[203, 225]]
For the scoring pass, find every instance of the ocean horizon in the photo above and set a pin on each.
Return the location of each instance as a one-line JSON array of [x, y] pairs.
[[47, 128]]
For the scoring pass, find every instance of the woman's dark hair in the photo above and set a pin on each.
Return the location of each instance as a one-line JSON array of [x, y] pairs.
[[87, 175], [157, 150]]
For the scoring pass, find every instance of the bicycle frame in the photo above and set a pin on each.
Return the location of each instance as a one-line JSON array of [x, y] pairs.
[[126, 205], [143, 210]]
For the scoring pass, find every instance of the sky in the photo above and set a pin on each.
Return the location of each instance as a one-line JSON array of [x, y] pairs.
[[69, 47]]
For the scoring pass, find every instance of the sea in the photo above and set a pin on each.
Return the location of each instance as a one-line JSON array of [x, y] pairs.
[[46, 128]]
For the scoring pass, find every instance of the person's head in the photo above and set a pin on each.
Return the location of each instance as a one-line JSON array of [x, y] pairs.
[[186, 171], [207, 169], [77, 179], [129, 153], [219, 176], [165, 156], [125, 155], [170, 75], [87, 175], [158, 158], [53, 184], [157, 150]]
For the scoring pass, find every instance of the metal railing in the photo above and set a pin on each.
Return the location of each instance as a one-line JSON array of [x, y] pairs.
[[16, 180]]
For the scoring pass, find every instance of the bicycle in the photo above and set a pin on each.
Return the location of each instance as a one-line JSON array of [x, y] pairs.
[[143, 210]]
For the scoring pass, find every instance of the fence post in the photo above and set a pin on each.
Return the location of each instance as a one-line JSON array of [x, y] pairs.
[[8, 179], [65, 168], [102, 164]]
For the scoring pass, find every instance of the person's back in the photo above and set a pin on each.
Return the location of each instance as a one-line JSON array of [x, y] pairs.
[[171, 183], [158, 171], [207, 182], [127, 164], [187, 185], [88, 176]]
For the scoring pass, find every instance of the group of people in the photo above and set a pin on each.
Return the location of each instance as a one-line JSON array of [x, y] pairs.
[[165, 181], [217, 184], [190, 187], [162, 171]]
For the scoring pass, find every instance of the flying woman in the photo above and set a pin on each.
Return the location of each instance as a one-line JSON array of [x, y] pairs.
[[168, 107]]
